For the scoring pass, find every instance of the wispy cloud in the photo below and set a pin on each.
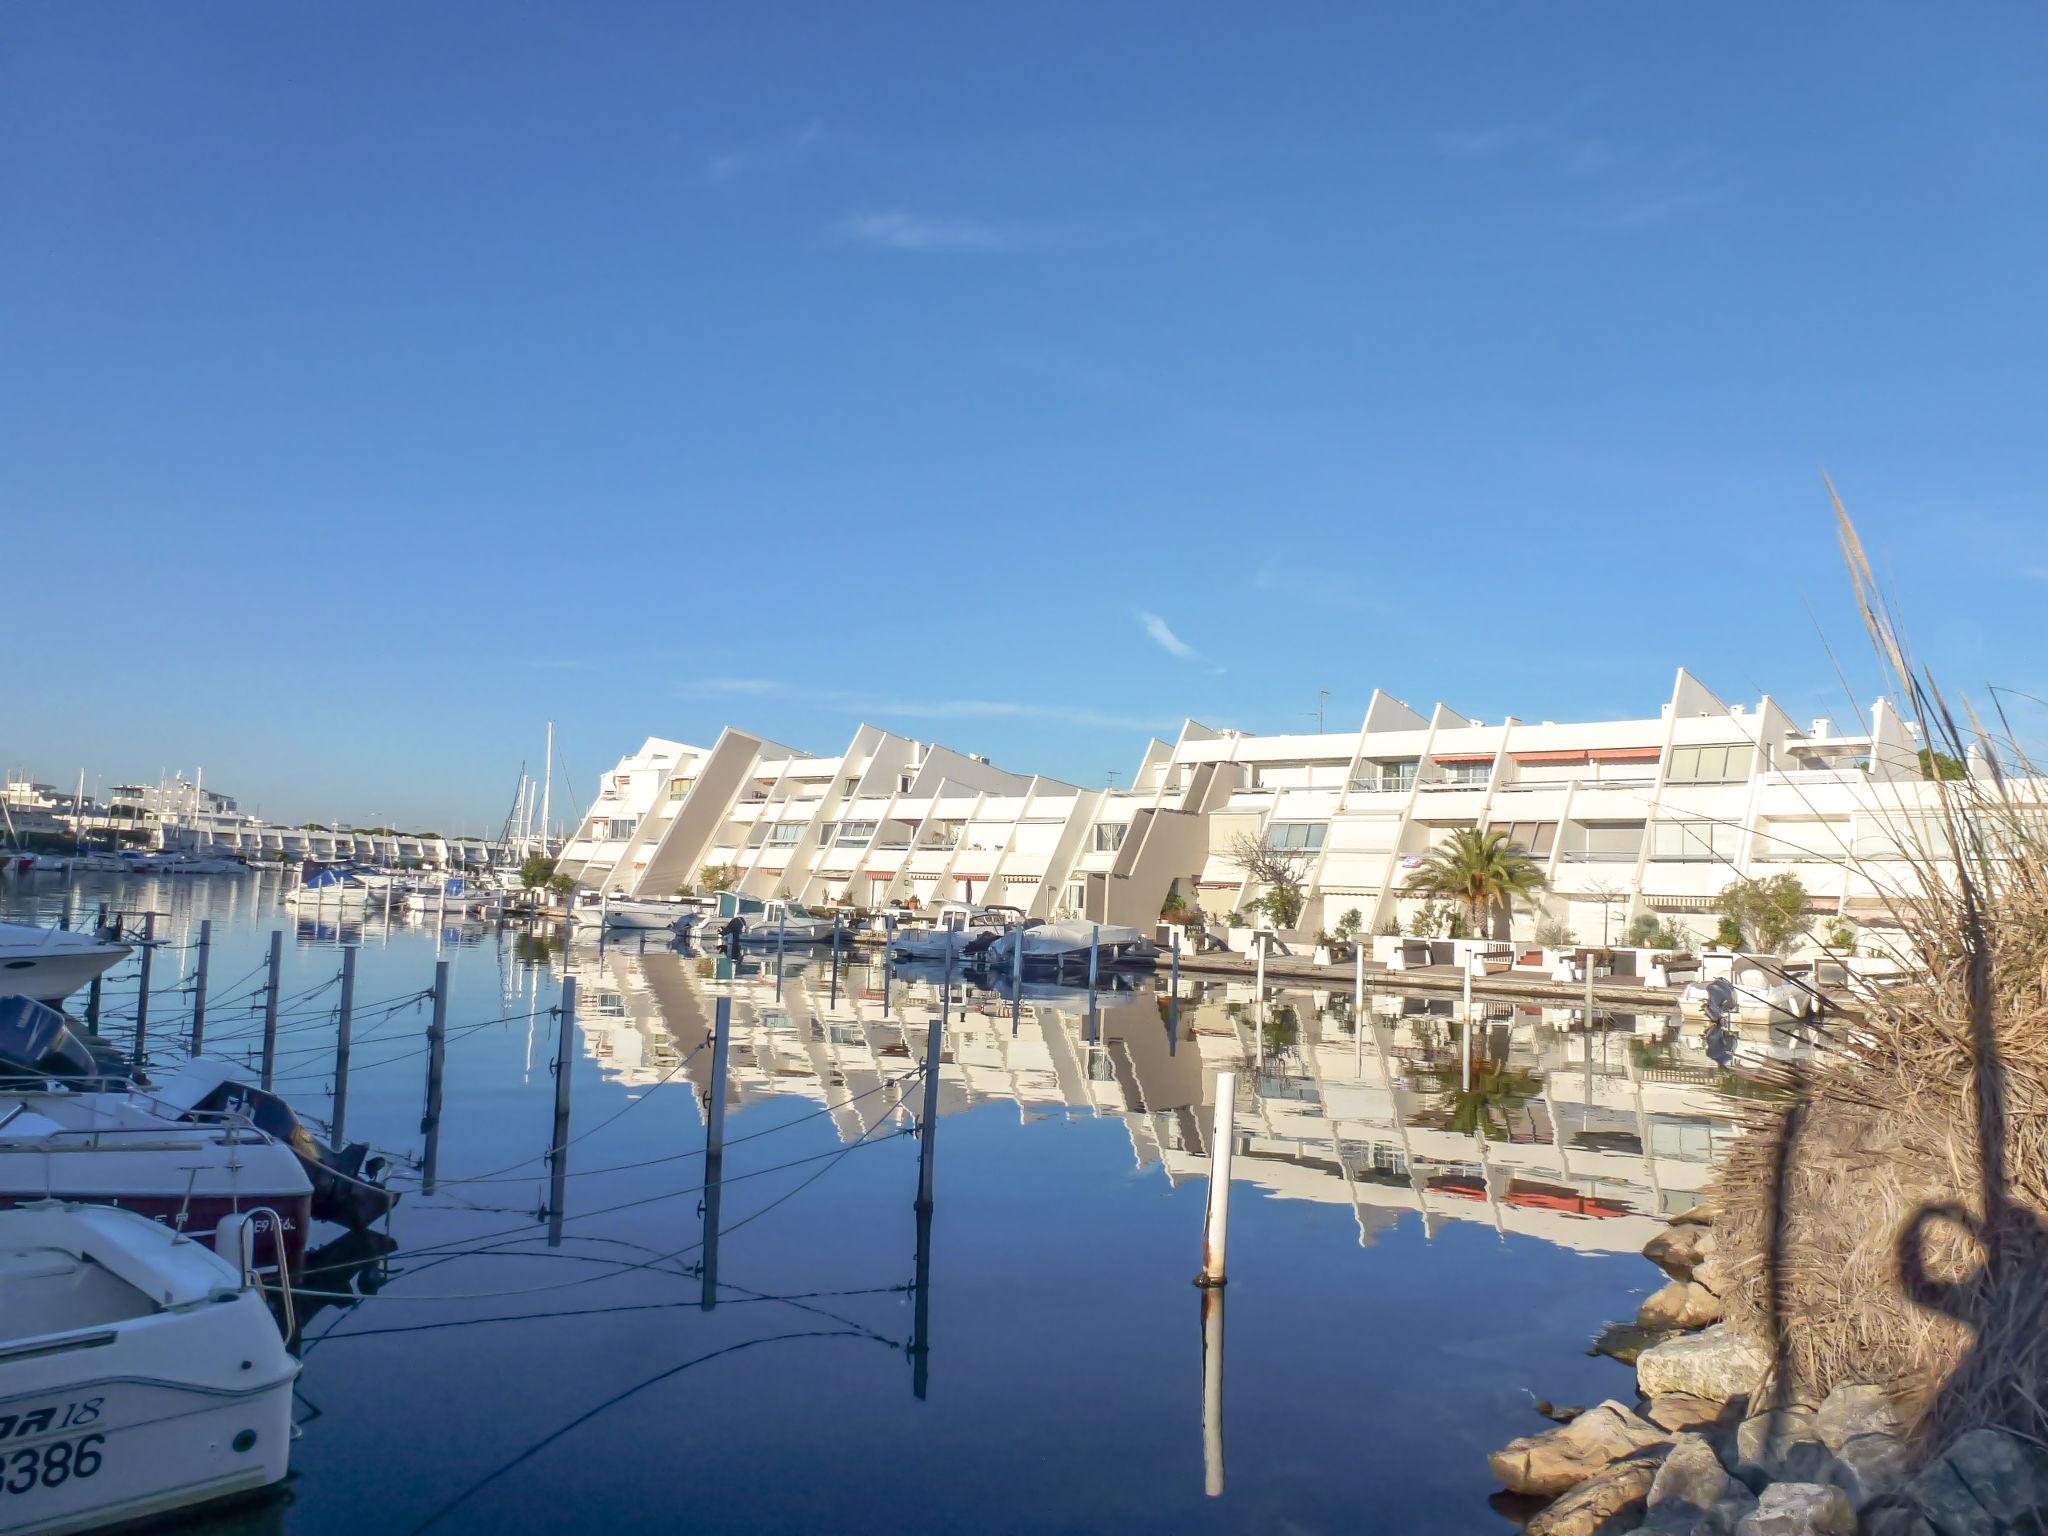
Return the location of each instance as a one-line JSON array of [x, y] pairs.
[[777, 153], [1662, 207], [899, 231], [736, 687], [1163, 636]]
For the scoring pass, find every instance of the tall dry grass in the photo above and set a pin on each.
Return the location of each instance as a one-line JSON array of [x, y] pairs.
[[1888, 1220]]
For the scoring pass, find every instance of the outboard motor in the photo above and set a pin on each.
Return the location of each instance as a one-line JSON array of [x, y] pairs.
[[1721, 1008], [345, 1190], [38, 1044]]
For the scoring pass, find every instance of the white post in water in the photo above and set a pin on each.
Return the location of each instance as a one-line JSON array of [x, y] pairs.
[[1216, 1222], [1465, 1034], [1589, 991], [1094, 954], [1212, 1391], [1358, 1013], [1259, 968], [1176, 959]]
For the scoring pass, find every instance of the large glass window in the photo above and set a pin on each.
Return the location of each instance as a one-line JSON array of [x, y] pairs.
[[1604, 842], [1109, 835], [1682, 842], [1296, 836], [1394, 774], [855, 834], [1468, 773], [677, 788], [1535, 838], [619, 828], [1711, 765], [785, 834]]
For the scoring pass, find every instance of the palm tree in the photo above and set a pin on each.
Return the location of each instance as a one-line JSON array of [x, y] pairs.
[[1484, 873]]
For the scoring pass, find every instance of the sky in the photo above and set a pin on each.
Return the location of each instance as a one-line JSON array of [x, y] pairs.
[[380, 382]]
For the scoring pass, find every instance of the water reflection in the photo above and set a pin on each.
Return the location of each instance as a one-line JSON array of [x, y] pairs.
[[1519, 1117]]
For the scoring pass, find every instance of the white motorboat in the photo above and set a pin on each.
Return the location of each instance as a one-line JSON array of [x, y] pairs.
[[140, 1371], [957, 930], [334, 886], [638, 914], [49, 964], [1064, 944], [771, 921]]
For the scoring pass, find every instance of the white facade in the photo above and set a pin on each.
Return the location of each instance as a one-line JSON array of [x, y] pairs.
[[1654, 814]]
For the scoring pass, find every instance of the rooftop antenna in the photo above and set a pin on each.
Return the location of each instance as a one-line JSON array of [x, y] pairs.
[[1322, 694]]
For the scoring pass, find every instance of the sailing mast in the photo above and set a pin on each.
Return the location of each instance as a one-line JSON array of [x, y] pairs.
[[547, 783]]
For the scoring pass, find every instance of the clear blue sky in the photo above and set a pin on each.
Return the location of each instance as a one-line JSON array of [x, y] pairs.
[[382, 380]]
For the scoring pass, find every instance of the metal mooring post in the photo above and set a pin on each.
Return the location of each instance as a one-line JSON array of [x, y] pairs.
[[343, 1027], [1216, 1221], [437, 1061], [199, 984], [558, 1143], [270, 1007], [142, 992], [714, 1152]]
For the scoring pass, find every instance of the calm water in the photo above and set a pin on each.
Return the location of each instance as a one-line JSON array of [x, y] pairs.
[[1409, 1261]]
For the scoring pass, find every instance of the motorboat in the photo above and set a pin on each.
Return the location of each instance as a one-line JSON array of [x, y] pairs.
[[1754, 994], [957, 929], [328, 885], [773, 920], [1063, 944], [49, 964], [77, 1122], [140, 1372], [199, 864], [636, 913]]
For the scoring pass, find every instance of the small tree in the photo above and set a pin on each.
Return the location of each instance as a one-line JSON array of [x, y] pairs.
[[1174, 909], [1350, 925], [1554, 932], [718, 877], [536, 870], [1485, 874], [1282, 871], [1768, 916], [1939, 765], [1650, 931]]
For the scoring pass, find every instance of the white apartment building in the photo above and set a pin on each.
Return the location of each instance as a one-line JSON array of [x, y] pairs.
[[1654, 814]]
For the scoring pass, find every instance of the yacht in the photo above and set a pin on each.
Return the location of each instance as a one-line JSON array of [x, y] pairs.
[[49, 964], [329, 885], [636, 913], [1064, 945], [957, 930], [140, 1372], [771, 921]]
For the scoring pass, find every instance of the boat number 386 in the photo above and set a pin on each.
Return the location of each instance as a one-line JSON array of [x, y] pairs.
[[50, 1464]]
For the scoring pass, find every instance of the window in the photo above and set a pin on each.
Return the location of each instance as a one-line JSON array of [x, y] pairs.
[[622, 781], [855, 834], [1696, 842], [1900, 837], [1109, 835], [1296, 836], [1468, 773], [1535, 838], [1801, 841], [678, 788], [1711, 765], [1381, 777], [1604, 842], [619, 828], [785, 834]]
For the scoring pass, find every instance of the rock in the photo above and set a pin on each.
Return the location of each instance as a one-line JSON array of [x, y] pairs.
[[1555, 1413], [1800, 1509], [1712, 1274], [1778, 1446], [1700, 1215], [1897, 1520], [1626, 1341], [1716, 1363], [1692, 1496], [1852, 1410], [1676, 1412], [1986, 1481], [1562, 1458], [1612, 1501], [1678, 1250], [1680, 1304], [1868, 1467]]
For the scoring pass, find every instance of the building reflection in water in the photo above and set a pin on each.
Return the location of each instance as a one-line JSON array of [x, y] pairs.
[[1585, 1139]]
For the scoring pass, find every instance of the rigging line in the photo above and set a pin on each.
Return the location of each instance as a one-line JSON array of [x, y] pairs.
[[611, 1402], [676, 1157], [569, 1312]]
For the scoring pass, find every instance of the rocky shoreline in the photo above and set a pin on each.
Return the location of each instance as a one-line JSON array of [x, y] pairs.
[[1690, 1458]]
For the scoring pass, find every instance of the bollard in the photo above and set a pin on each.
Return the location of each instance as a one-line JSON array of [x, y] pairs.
[[142, 994], [1212, 1391], [341, 1043], [714, 1152], [835, 958], [928, 1126], [558, 1144], [92, 998], [1589, 992], [1216, 1221], [270, 1007], [199, 983], [437, 1061]]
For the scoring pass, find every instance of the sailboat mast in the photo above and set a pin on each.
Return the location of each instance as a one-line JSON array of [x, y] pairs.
[[547, 784], [78, 816]]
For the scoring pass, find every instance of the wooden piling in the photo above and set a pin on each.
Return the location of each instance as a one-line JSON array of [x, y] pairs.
[[199, 975], [344, 1026], [270, 1007], [558, 1143]]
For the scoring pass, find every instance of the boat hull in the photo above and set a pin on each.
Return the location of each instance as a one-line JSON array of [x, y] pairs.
[[199, 1216], [51, 975]]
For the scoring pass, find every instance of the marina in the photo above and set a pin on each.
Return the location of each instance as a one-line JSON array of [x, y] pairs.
[[723, 1256]]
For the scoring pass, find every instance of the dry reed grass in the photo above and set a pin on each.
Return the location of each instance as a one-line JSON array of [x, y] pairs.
[[1885, 1222]]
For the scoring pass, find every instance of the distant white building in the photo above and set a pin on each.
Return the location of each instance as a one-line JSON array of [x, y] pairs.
[[1652, 814]]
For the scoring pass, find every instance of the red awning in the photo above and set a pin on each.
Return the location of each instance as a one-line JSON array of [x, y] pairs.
[[1463, 757], [1578, 756], [1625, 754]]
